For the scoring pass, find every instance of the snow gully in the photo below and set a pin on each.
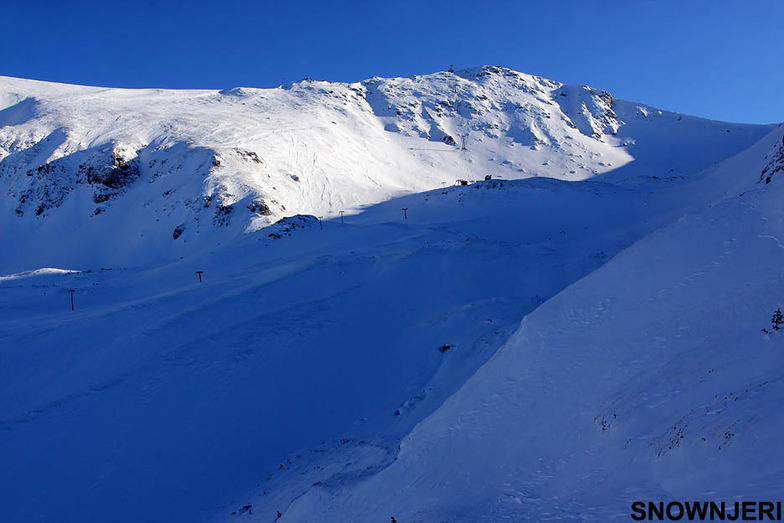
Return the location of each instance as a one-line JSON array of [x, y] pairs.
[[706, 511]]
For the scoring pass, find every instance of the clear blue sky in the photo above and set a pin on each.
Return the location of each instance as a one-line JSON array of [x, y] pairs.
[[719, 59]]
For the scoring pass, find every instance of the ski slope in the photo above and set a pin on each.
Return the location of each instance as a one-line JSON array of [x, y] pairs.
[[610, 282], [649, 379]]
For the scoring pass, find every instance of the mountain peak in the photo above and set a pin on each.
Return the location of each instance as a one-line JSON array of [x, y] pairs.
[[151, 161]]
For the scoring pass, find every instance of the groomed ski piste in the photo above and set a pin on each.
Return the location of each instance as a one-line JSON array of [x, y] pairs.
[[580, 331]]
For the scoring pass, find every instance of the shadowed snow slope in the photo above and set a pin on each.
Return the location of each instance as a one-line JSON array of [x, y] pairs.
[[372, 366], [650, 379]]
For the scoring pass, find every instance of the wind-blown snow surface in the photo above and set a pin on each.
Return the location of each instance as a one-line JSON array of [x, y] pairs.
[[286, 380]]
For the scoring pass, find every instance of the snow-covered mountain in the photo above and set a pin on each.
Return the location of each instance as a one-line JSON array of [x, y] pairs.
[[153, 174], [580, 331]]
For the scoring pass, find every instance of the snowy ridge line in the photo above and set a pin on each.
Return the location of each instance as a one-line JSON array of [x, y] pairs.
[[37, 272], [179, 170]]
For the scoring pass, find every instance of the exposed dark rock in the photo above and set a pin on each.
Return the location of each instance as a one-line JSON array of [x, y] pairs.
[[223, 215], [119, 174], [775, 163], [259, 206], [249, 156]]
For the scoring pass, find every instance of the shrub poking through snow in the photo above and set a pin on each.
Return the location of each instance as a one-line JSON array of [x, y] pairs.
[[778, 319]]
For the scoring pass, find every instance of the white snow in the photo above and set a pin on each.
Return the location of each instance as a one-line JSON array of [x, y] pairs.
[[37, 272], [650, 379], [131, 169], [601, 300]]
